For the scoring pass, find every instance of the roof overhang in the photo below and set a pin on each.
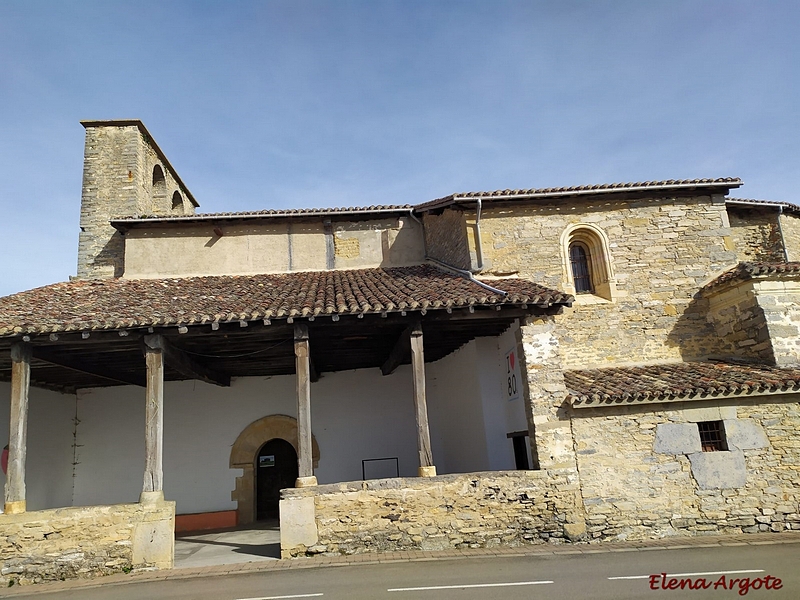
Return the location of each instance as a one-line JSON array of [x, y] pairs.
[[646, 189]]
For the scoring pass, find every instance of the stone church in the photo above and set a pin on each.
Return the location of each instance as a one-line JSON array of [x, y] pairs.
[[560, 365]]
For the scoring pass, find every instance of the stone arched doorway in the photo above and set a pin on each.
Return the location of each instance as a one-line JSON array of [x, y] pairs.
[[244, 454]]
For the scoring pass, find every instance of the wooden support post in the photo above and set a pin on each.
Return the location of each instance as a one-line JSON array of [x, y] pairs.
[[426, 467], [303, 368], [152, 491], [18, 430]]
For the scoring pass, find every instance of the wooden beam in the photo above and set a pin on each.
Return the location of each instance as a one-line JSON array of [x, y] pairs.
[[184, 363], [303, 370], [154, 418], [18, 429], [420, 403], [399, 352], [49, 356]]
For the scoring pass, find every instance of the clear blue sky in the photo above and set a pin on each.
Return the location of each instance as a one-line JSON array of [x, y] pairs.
[[263, 104]]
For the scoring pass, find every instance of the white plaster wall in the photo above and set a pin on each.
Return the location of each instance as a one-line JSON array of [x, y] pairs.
[[456, 414], [355, 415], [501, 416], [48, 470], [470, 416]]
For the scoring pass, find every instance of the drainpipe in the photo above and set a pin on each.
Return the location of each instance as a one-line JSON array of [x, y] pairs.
[[468, 275]]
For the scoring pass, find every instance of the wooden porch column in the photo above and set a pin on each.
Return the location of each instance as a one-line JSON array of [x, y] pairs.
[[152, 490], [18, 430], [303, 368], [426, 467]]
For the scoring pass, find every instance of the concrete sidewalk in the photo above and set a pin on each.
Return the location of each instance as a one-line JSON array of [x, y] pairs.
[[256, 543], [259, 561]]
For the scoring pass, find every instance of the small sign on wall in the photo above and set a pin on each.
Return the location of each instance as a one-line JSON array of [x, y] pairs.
[[513, 380], [266, 461]]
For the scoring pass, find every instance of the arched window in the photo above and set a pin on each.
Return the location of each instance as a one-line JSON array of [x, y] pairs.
[[177, 202], [587, 263], [159, 181], [159, 193], [579, 262]]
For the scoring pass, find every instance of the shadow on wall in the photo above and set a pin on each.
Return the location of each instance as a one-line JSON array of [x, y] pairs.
[[112, 255], [695, 336]]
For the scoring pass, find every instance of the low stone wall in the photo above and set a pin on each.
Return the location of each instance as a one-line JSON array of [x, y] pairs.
[[642, 481], [473, 510], [84, 542]]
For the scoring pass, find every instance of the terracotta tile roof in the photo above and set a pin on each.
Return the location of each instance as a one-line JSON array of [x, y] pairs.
[[672, 382], [788, 206], [255, 214], [722, 182], [752, 270], [127, 303]]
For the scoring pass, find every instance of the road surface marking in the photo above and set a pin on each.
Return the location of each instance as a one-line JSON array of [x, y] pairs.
[[693, 574], [283, 597], [461, 587]]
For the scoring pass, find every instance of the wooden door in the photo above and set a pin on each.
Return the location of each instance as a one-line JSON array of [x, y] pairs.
[[276, 468]]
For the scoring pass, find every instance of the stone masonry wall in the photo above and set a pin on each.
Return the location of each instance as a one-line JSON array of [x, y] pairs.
[[446, 239], [111, 166], [472, 510], [662, 252], [760, 319], [548, 413], [739, 321], [780, 303], [634, 489], [118, 182], [790, 225], [82, 542], [756, 234]]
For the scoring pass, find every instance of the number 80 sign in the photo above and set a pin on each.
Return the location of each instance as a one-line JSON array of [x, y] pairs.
[[512, 384]]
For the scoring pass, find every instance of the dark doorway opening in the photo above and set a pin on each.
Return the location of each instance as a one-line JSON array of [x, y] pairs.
[[276, 468], [520, 441]]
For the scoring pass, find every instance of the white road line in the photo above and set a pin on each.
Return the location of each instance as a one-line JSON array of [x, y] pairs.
[[283, 597], [692, 574], [461, 587]]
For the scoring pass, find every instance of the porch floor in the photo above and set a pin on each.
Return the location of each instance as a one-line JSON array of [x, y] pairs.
[[257, 542]]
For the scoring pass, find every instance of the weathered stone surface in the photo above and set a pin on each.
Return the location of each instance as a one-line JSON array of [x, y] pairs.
[[298, 526], [677, 438], [661, 251], [718, 470], [473, 510], [744, 434], [630, 492], [83, 542]]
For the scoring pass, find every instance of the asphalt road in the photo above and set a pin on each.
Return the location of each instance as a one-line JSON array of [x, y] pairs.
[[606, 575]]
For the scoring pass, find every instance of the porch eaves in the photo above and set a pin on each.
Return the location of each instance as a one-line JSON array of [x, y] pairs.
[[619, 386], [109, 304]]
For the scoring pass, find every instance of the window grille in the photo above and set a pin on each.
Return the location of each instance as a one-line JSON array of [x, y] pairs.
[[712, 436], [579, 259]]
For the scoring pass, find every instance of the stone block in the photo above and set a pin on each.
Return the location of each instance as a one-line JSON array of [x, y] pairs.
[[298, 523], [718, 470], [744, 434], [677, 438], [154, 540]]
